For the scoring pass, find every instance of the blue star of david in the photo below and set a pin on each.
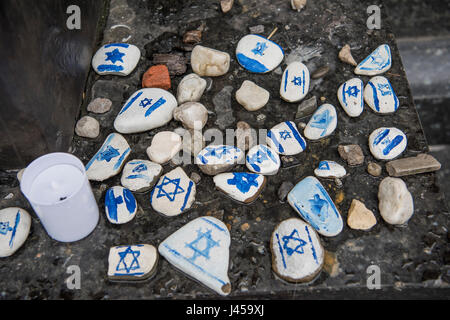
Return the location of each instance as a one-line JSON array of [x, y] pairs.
[[109, 154], [385, 89], [145, 102], [259, 157], [5, 228], [218, 152], [134, 265], [195, 245], [292, 238], [377, 58], [115, 56], [170, 195], [243, 181], [352, 91], [260, 48], [297, 81], [285, 135], [322, 120], [324, 166], [140, 168]]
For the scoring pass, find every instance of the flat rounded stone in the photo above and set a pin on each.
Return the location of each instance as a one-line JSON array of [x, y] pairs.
[[109, 160], [312, 202], [285, 139], [191, 89], [259, 55], [330, 169], [295, 82], [322, 123], [264, 160], [251, 96], [120, 205], [387, 143], [132, 263], [351, 97], [209, 62], [140, 175], [99, 105], [165, 145], [215, 159], [380, 95], [193, 115], [297, 254], [116, 59], [201, 249], [174, 193], [87, 127], [241, 186], [145, 110], [395, 202], [377, 62], [15, 226]]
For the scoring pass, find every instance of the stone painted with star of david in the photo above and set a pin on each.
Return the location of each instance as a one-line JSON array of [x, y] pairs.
[[264, 160], [15, 226], [173, 194], [351, 97], [215, 159], [330, 169], [241, 186], [258, 54], [120, 205], [380, 95], [312, 202], [297, 253], [132, 262], [295, 82], [200, 249], [285, 139], [322, 124], [378, 62], [140, 175], [387, 143], [116, 59], [110, 159], [145, 110]]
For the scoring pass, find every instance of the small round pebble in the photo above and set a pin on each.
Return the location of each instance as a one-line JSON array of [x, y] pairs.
[[100, 105], [374, 169], [87, 127], [195, 177]]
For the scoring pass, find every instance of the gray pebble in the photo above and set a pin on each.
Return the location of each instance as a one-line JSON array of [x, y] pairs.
[[285, 188]]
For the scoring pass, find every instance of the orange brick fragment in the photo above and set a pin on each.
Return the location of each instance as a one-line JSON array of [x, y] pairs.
[[157, 77]]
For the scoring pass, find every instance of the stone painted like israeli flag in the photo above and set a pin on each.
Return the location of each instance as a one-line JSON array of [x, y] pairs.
[[219, 154], [351, 97], [387, 143], [264, 160], [120, 205], [259, 55], [132, 263], [241, 186], [312, 202], [286, 139], [201, 250], [330, 169], [145, 110], [322, 123], [15, 226], [377, 62], [116, 59], [380, 95], [295, 82], [109, 160], [140, 175]]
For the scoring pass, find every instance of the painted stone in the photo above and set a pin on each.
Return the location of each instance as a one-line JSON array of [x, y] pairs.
[[330, 169], [145, 110], [201, 250], [15, 226], [297, 254], [295, 82], [215, 159], [387, 143], [264, 160], [165, 146], [140, 175], [312, 202], [209, 62], [193, 115], [132, 263], [259, 55], [174, 193], [351, 97], [377, 62], [322, 123], [395, 202], [116, 59], [120, 205], [380, 95], [286, 139], [191, 89], [241, 186], [251, 96], [110, 159]]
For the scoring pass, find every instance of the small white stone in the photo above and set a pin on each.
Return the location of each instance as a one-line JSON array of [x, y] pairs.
[[395, 201], [140, 175], [285, 139], [330, 169], [351, 97], [380, 95], [209, 62], [165, 145], [193, 115], [264, 160], [191, 89], [9, 196], [241, 186], [215, 159], [377, 62], [99, 106], [132, 263], [15, 226], [120, 205], [87, 127], [322, 123], [251, 96], [387, 143], [295, 82], [116, 59]]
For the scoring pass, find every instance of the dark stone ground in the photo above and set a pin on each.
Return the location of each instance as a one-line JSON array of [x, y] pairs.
[[414, 260]]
